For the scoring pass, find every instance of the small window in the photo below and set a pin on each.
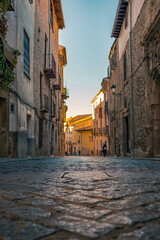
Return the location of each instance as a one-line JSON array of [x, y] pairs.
[[124, 66], [26, 55], [40, 132], [45, 51], [12, 107], [51, 15]]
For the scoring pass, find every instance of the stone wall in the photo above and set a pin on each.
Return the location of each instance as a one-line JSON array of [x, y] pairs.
[[146, 112]]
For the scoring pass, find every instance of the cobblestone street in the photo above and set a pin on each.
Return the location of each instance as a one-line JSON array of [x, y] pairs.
[[77, 198]]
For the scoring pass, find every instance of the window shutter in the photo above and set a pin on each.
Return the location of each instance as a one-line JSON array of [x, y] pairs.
[[124, 66]]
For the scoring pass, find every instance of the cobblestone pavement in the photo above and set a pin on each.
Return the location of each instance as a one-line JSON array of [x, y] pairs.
[[78, 198]]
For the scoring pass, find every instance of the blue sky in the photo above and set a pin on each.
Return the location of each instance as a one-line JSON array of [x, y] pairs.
[[87, 38]]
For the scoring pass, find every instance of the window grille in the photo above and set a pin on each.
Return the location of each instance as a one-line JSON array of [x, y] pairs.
[[26, 55]]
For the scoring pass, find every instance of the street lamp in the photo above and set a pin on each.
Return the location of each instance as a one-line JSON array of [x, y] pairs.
[[113, 88]]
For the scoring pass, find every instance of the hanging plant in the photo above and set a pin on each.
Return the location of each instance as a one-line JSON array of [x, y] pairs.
[[7, 76], [16, 54], [4, 4]]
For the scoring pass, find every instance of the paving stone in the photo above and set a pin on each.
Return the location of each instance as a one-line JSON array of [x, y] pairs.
[[154, 207], [130, 218], [131, 202], [22, 230], [28, 212], [6, 204], [149, 232], [81, 211], [39, 201], [12, 195], [83, 227]]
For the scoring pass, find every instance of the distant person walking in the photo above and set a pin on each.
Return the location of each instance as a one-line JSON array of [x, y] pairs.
[[104, 149]]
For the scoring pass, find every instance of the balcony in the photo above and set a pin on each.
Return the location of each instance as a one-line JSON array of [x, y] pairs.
[[45, 103], [57, 86], [105, 130], [65, 108], [65, 93], [8, 51], [49, 66]]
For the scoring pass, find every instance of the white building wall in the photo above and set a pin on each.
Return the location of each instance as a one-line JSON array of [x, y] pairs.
[[21, 129]]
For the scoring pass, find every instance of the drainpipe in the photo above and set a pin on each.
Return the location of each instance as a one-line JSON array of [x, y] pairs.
[[131, 80], [49, 50]]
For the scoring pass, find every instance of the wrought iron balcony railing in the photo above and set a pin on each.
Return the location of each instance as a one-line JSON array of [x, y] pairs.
[[45, 103], [65, 93], [49, 66], [57, 86]]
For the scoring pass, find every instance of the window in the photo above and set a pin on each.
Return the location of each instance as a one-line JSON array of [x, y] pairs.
[[40, 132], [51, 15], [55, 136], [45, 51], [12, 107], [126, 19], [124, 66], [26, 54], [41, 79]]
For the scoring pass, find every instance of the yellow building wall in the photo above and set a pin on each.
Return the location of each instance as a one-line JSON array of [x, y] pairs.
[[86, 143], [82, 137]]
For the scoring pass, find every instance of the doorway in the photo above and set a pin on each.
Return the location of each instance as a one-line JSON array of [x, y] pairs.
[[3, 128], [126, 134]]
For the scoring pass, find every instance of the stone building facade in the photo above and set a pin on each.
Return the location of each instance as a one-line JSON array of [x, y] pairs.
[[135, 130], [48, 81], [31, 122], [20, 113]]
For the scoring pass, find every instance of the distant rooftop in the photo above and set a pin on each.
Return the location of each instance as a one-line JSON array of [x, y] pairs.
[[78, 117], [59, 13]]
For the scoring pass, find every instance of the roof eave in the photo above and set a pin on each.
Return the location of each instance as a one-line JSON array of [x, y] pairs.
[[59, 13], [117, 25]]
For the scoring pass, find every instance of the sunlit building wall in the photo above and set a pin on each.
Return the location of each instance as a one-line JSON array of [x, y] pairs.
[[62, 97], [47, 76], [78, 135], [100, 125]]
